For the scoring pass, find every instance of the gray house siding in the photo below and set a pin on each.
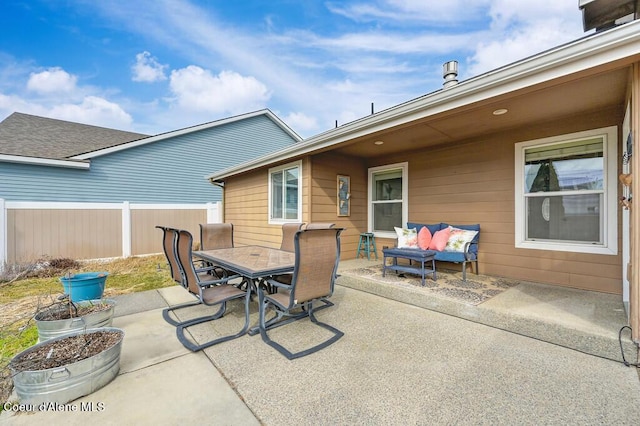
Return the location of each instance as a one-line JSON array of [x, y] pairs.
[[166, 171]]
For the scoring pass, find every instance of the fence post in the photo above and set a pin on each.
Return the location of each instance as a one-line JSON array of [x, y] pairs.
[[3, 235], [126, 229], [214, 212]]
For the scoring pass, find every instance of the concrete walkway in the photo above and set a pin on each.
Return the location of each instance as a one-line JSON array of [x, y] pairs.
[[396, 364]]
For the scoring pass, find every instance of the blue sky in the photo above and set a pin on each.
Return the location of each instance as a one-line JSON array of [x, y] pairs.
[[153, 66]]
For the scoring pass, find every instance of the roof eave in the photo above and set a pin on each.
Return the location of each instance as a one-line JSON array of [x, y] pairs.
[[37, 161], [582, 54]]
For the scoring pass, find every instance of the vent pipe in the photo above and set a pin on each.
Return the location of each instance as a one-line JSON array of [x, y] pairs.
[[450, 73]]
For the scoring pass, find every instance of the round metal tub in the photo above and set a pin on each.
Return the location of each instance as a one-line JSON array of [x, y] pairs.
[[68, 382], [49, 329]]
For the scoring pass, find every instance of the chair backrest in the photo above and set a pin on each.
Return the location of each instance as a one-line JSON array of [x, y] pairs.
[[216, 236], [184, 250], [317, 257], [320, 225], [288, 233], [169, 239]]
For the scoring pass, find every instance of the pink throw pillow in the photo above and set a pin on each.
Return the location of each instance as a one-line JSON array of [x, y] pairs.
[[439, 240], [424, 238]]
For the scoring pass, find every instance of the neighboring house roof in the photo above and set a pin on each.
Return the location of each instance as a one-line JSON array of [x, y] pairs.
[[32, 136], [30, 139], [172, 134], [463, 111]]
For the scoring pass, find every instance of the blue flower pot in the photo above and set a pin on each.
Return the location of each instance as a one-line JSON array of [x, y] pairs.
[[84, 286]]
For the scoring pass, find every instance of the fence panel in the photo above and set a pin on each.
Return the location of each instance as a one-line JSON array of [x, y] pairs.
[[33, 230]]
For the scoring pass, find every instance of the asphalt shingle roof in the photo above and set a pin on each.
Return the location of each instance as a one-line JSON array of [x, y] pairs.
[[32, 136]]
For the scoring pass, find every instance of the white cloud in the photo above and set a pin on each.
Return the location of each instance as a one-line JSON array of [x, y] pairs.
[[198, 89], [53, 80], [300, 122], [521, 29], [93, 110], [147, 69]]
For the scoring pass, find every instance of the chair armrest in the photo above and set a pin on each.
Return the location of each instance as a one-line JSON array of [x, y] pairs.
[[278, 284], [209, 283]]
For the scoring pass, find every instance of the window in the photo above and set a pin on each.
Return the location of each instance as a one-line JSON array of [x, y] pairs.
[[285, 185], [387, 199], [566, 192]]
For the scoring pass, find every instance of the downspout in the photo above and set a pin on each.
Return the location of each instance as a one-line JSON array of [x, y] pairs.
[[221, 186]]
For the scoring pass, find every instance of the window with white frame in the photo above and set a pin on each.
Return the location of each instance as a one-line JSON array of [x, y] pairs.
[[566, 192], [285, 186], [388, 191]]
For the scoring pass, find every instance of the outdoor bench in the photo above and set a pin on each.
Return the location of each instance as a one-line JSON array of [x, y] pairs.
[[468, 253]]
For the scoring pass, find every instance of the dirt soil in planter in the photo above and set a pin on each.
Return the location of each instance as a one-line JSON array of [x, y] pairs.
[[62, 312], [66, 351]]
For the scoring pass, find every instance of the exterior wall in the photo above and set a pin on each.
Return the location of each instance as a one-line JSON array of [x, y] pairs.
[[167, 171], [246, 200], [473, 182], [32, 231], [324, 197]]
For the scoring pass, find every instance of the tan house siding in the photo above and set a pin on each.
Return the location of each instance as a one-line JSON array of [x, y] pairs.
[[246, 199], [324, 196], [474, 183]]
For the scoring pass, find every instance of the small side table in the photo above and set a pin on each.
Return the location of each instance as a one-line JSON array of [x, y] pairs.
[[366, 244], [424, 257]]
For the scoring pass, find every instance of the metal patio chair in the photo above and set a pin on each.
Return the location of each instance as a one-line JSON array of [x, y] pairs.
[[216, 236], [208, 291], [320, 225], [317, 256]]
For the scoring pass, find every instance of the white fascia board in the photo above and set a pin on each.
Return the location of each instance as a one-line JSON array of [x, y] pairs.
[[188, 130], [44, 162], [582, 54]]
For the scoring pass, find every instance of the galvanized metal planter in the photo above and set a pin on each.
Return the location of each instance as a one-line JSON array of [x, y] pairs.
[[49, 329], [67, 382]]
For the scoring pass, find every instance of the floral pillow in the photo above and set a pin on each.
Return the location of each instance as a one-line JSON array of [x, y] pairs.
[[458, 239], [407, 238]]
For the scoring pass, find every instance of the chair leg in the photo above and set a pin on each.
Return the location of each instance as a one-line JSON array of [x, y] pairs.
[[187, 343], [284, 351], [166, 312]]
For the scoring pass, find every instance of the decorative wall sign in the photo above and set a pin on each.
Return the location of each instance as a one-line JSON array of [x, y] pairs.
[[344, 195]]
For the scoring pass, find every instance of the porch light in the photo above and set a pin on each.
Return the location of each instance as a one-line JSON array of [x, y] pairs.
[[378, 142], [500, 111]]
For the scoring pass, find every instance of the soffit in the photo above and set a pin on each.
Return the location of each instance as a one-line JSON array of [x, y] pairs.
[[548, 102]]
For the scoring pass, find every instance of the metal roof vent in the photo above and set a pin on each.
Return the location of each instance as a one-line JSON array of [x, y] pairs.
[[450, 73]]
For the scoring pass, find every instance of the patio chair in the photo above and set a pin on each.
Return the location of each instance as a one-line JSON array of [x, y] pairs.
[[211, 292], [169, 238], [320, 225], [288, 233], [216, 236], [317, 256]]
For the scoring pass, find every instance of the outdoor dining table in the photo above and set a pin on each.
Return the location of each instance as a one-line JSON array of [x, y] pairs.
[[253, 262]]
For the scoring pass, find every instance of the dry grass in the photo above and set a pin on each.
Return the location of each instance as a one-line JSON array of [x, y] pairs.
[[27, 289]]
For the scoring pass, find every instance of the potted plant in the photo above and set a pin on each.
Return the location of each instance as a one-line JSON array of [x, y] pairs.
[[65, 368], [66, 317]]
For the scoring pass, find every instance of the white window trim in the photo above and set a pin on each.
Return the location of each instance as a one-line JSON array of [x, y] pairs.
[[610, 240], [405, 196], [276, 221]]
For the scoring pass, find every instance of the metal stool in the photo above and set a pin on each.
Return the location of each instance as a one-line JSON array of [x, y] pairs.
[[367, 241]]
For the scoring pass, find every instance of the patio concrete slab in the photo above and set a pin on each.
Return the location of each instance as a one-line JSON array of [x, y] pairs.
[[396, 364]]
